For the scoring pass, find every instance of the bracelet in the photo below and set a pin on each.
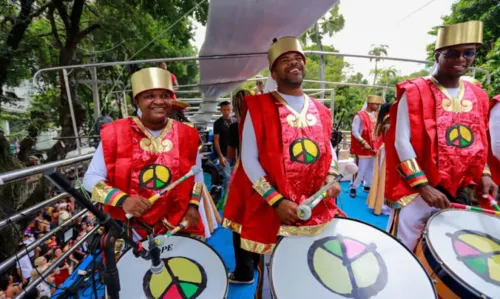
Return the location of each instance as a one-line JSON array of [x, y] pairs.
[[486, 171], [334, 169]]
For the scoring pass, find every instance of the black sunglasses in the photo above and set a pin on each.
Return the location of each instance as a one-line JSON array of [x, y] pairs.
[[452, 54]]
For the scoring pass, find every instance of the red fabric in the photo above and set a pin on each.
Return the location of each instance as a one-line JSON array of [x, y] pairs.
[[244, 205], [125, 160], [367, 134], [422, 96], [493, 162]]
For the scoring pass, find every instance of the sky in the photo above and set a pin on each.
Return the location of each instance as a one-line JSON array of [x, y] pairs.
[[400, 24]]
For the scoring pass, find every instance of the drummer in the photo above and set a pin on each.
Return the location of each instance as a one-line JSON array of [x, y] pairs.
[[138, 156], [286, 156], [437, 144]]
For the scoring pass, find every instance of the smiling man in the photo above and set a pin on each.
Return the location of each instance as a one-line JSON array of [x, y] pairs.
[[286, 156], [138, 156], [437, 144]]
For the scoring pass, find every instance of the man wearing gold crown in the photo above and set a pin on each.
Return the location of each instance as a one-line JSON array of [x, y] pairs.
[[364, 145], [139, 156], [437, 144], [286, 156]]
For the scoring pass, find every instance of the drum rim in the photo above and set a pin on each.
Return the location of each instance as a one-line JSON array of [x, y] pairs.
[[440, 261], [362, 222], [195, 239]]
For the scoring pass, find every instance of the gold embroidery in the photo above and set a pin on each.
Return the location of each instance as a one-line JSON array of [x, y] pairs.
[[305, 230], [298, 120], [452, 104], [158, 144], [257, 247], [100, 191], [197, 188], [235, 227], [402, 202], [262, 186]]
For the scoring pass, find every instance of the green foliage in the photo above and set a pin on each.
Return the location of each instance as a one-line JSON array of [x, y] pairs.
[[487, 11]]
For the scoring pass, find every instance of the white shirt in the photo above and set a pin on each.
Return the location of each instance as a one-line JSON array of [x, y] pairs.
[[97, 170], [495, 130], [25, 265], [403, 130], [249, 152], [357, 125]]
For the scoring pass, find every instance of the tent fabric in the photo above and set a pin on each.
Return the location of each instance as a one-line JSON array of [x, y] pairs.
[[247, 27]]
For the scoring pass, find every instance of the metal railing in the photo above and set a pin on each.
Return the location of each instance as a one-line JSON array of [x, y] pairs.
[[56, 263]]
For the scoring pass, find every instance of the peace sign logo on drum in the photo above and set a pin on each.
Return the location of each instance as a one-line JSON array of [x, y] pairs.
[[479, 252], [340, 263], [186, 279]]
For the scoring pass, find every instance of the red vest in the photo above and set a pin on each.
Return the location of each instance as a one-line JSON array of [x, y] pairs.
[[493, 162], [436, 136], [368, 124], [283, 154], [138, 166]]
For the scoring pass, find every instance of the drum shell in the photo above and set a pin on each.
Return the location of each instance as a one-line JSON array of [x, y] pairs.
[[447, 286]]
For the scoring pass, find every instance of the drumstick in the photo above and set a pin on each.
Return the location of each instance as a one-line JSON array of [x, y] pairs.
[[304, 210], [194, 170], [476, 209], [493, 203], [183, 224]]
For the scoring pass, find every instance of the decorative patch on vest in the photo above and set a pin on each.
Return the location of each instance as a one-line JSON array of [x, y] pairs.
[[301, 121], [155, 177], [460, 136], [155, 145], [304, 150]]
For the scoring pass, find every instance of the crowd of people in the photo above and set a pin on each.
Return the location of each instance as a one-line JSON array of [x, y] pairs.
[[31, 265]]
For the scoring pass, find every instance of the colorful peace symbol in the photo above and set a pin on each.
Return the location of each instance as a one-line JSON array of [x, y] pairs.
[[154, 177], [183, 278], [304, 150], [347, 267], [479, 252], [459, 136]]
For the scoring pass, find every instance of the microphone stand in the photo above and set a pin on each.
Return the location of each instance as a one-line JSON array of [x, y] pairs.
[[113, 231]]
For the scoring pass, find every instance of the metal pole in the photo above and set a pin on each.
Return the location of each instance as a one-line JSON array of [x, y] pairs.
[[332, 105], [14, 175], [95, 94], [70, 102]]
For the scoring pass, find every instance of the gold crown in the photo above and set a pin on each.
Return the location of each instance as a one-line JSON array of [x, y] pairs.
[[282, 46], [179, 105], [459, 34], [375, 100], [151, 78]]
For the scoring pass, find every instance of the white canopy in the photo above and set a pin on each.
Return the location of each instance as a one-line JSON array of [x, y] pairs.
[[247, 27]]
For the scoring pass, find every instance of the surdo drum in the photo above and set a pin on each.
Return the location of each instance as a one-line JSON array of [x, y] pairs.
[[461, 251], [194, 270], [348, 259]]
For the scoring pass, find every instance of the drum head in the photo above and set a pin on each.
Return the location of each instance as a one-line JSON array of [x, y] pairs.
[[193, 270], [349, 259], [468, 245]]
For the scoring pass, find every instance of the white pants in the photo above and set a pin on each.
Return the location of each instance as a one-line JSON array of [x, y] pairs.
[[412, 221], [365, 172]]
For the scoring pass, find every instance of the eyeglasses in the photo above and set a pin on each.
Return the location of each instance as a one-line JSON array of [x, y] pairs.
[[452, 54]]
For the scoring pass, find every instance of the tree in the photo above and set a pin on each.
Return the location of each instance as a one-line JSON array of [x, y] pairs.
[[380, 50], [329, 24], [488, 11]]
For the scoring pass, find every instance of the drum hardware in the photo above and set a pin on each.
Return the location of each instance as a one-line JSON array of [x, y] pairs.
[[194, 170], [113, 231], [304, 210]]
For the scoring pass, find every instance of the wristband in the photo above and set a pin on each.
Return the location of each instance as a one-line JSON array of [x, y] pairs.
[[196, 194], [412, 173], [106, 194], [270, 195]]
